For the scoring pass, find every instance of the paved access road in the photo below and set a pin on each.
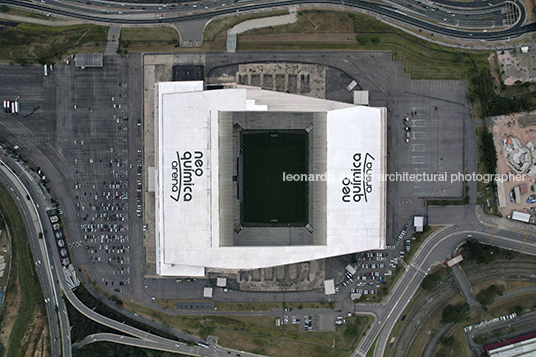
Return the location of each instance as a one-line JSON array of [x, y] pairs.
[[33, 210], [58, 321], [432, 252]]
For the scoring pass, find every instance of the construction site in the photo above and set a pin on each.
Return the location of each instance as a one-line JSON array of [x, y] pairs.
[[516, 152]]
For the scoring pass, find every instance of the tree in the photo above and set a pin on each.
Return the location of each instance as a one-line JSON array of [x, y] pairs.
[[454, 313], [448, 342], [4, 8], [518, 309], [431, 281]]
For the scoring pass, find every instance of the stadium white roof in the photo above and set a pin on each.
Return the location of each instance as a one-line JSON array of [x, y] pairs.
[[188, 206]]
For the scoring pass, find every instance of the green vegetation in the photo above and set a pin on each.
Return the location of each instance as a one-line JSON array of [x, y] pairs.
[[518, 309], [256, 306], [93, 303], [138, 37], [448, 342], [431, 281], [220, 25], [491, 103], [486, 297], [82, 326], [23, 282], [268, 200], [256, 334], [4, 8], [454, 313], [420, 237], [487, 164], [29, 43], [487, 148], [484, 254]]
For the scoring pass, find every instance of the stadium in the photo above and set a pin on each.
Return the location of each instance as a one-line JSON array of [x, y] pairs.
[[249, 178]]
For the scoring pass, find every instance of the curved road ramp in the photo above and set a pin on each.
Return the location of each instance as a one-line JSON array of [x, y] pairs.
[[291, 18]]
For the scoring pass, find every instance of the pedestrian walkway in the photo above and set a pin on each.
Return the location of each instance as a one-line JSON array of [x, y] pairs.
[[291, 18], [114, 34], [464, 286]]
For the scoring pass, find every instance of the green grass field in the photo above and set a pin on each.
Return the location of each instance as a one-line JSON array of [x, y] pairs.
[[268, 200], [23, 281]]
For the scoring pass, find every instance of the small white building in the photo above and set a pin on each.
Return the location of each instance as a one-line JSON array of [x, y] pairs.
[[418, 222], [329, 287], [221, 282], [520, 216], [207, 292]]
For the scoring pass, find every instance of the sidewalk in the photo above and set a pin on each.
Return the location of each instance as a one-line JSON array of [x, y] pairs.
[[504, 223], [232, 33]]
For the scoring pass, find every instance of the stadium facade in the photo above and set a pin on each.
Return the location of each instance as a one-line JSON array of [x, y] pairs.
[[200, 184]]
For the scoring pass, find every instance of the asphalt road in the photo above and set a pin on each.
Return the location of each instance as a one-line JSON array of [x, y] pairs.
[[54, 286], [446, 27], [58, 321], [432, 252]]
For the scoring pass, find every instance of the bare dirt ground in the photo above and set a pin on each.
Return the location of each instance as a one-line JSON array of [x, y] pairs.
[[521, 126], [12, 301], [516, 66], [529, 5], [36, 334]]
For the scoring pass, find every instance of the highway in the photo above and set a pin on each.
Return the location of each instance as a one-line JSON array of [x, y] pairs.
[[33, 210], [58, 321], [440, 22]]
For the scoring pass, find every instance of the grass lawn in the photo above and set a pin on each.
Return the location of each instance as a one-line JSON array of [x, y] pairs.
[[148, 39], [149, 34], [220, 25], [460, 347], [29, 316], [433, 324], [422, 59], [311, 22], [258, 333], [502, 307], [265, 306], [268, 200], [34, 15], [26, 42]]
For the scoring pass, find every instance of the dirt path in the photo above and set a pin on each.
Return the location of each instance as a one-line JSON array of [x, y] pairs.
[[13, 302]]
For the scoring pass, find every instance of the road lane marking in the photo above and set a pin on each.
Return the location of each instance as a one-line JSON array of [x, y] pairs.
[[524, 241], [492, 234]]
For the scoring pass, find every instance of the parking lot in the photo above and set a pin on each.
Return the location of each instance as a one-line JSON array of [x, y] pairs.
[[84, 128], [81, 126], [104, 150]]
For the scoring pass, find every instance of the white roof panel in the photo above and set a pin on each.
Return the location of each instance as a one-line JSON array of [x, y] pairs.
[[187, 182]]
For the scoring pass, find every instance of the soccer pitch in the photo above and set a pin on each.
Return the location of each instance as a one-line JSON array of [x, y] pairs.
[[268, 200]]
